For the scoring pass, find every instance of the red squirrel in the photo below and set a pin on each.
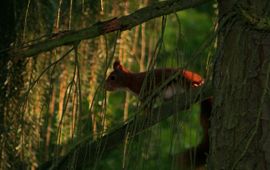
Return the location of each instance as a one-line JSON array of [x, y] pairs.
[[122, 79]]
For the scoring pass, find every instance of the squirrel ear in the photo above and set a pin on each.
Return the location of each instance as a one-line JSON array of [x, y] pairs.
[[116, 64], [118, 67]]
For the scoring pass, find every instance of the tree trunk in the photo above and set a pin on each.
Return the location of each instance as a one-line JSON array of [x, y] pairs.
[[11, 83], [240, 127]]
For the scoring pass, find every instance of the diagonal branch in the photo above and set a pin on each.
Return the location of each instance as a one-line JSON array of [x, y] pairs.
[[88, 152], [117, 24]]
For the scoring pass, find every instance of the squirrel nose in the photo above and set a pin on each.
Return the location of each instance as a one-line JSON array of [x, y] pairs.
[[108, 87]]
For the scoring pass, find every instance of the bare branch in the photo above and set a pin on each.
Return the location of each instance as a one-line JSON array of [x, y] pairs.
[[88, 152], [123, 23]]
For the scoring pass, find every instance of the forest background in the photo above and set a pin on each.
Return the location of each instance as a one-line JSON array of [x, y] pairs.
[[55, 57]]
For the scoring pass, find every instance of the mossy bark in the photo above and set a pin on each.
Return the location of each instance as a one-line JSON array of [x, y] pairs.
[[240, 127]]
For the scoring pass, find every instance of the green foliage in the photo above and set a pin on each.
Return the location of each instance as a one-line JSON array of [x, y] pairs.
[[185, 31]]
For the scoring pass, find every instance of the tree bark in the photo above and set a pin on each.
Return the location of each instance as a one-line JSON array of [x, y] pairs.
[[240, 127], [11, 83]]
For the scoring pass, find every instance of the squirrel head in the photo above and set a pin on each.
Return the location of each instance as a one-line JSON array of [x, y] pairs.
[[118, 78]]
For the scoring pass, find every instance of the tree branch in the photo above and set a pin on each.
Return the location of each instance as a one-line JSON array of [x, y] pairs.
[[123, 23], [88, 152]]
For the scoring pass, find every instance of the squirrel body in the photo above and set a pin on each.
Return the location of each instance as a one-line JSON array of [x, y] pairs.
[[145, 82]]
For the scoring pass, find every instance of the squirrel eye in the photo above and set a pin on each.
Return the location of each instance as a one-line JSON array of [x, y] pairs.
[[112, 78]]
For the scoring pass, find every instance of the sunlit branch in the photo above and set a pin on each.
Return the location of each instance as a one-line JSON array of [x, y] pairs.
[[122, 23]]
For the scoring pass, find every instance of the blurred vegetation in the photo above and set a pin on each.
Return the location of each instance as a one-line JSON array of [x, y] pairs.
[[61, 99]]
